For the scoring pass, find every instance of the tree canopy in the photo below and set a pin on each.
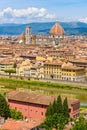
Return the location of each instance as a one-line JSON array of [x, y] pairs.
[[6, 112], [15, 114], [4, 108], [65, 108], [80, 124], [57, 114], [10, 71]]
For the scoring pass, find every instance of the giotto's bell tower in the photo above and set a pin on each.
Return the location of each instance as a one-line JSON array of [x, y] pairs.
[[28, 35]]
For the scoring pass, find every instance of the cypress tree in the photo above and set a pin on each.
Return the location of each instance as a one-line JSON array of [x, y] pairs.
[[65, 108], [54, 105], [49, 111], [56, 115], [59, 105]]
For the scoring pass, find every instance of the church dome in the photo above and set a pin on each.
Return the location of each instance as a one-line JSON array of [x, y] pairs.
[[22, 36], [57, 30]]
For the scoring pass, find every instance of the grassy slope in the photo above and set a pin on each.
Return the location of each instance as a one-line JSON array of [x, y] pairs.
[[44, 87]]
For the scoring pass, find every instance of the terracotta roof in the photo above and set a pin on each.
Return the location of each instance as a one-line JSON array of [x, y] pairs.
[[6, 62], [11, 124], [57, 30], [53, 63], [79, 61], [35, 98], [72, 68], [22, 36]]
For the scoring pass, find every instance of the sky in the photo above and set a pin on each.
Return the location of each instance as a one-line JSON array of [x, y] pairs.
[[26, 11]]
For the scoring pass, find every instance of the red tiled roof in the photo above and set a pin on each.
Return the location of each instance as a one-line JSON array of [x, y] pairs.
[[53, 63], [57, 30], [11, 124], [72, 68], [22, 36], [35, 98]]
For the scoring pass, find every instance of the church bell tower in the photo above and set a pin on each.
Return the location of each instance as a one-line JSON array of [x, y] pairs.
[[28, 35]]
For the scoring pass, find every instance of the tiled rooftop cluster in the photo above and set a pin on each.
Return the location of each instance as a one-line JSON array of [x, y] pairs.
[[32, 59]]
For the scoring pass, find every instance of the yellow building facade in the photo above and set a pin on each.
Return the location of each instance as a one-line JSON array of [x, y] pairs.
[[42, 58], [52, 70], [63, 71]]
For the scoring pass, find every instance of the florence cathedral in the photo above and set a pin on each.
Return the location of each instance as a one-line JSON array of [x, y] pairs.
[[56, 36]]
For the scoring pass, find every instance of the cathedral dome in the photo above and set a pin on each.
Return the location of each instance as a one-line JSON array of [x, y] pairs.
[[22, 36], [57, 30]]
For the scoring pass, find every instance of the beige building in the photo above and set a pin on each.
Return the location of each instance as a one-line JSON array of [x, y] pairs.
[[23, 69], [6, 64]]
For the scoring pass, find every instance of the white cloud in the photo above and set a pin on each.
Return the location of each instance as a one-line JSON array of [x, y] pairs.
[[50, 16], [83, 20], [31, 14]]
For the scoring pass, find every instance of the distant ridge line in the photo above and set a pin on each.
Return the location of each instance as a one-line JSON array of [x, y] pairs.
[[71, 28]]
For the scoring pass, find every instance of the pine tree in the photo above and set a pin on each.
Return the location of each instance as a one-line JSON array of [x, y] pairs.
[[59, 105], [65, 108]]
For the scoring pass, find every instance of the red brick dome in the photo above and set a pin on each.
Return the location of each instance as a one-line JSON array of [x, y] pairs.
[[57, 30], [22, 36]]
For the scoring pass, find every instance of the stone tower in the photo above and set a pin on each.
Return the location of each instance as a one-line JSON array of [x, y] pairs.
[[28, 35]]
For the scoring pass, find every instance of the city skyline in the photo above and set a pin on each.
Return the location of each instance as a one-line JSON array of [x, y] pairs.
[[27, 11]]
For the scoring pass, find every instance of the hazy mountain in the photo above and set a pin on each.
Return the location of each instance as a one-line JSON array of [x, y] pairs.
[[71, 28]]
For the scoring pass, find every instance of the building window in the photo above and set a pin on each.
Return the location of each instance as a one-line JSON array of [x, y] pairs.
[[31, 110], [42, 113], [36, 112]]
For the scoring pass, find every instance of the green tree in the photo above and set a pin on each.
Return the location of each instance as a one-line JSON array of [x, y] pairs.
[[54, 105], [4, 108], [48, 123], [49, 110], [52, 108], [16, 114], [56, 121], [59, 105], [10, 71], [65, 108], [81, 124], [56, 115], [12, 113]]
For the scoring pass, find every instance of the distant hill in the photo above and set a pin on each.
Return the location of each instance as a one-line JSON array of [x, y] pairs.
[[71, 28]]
